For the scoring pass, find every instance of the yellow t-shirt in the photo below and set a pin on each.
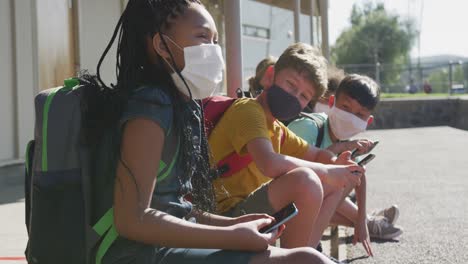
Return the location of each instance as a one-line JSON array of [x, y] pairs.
[[244, 121]]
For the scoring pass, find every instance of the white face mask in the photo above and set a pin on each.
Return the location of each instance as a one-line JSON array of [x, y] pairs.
[[321, 108], [203, 71], [344, 124]]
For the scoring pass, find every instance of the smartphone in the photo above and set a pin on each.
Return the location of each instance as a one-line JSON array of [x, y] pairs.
[[283, 215], [366, 160], [354, 153]]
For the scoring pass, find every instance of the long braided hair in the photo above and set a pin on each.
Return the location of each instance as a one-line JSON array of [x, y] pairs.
[[105, 104]]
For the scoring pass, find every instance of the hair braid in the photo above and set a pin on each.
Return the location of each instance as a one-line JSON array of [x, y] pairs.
[[105, 104]]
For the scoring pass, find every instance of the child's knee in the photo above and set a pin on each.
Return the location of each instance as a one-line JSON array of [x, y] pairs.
[[305, 255], [306, 183]]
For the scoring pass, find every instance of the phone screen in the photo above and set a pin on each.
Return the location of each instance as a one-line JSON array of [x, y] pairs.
[[281, 217], [366, 160]]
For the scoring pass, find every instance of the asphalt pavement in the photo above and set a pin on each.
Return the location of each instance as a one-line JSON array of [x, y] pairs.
[[422, 170], [425, 172]]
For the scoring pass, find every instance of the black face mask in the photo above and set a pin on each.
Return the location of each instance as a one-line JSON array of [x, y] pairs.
[[283, 106]]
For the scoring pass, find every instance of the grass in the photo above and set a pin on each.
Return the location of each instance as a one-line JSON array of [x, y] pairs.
[[418, 95]]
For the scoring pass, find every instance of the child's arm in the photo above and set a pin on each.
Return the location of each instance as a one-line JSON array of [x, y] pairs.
[[218, 220], [361, 233], [363, 146], [273, 164], [141, 150]]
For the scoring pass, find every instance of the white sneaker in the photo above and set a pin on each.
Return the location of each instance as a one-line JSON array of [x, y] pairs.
[[380, 228], [391, 213]]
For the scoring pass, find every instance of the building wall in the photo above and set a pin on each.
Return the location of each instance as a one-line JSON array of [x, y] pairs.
[[55, 42], [97, 20], [19, 67], [19, 77], [281, 24], [26, 72], [7, 131]]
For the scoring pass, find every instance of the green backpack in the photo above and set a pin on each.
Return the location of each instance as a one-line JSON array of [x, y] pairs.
[[58, 184]]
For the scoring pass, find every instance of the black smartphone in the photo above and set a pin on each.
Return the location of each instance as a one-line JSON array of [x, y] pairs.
[[283, 215], [366, 160], [354, 153]]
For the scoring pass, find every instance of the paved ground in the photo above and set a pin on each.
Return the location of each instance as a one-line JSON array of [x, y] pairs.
[[12, 228], [423, 170]]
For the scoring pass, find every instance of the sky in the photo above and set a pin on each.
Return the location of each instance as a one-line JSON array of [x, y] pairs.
[[442, 23]]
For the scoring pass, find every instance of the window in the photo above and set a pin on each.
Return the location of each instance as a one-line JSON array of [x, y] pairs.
[[254, 31]]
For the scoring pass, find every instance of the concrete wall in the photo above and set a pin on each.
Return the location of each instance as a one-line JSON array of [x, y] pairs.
[[406, 113], [7, 130], [462, 120], [19, 70], [18, 73], [96, 22]]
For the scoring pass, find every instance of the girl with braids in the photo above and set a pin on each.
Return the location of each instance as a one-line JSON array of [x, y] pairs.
[[150, 150]]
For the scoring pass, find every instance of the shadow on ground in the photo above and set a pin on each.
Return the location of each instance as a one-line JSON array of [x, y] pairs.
[[354, 259], [349, 240], [11, 184]]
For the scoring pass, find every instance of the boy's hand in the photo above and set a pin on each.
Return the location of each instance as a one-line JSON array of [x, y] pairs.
[[363, 146], [345, 159], [343, 175], [361, 234]]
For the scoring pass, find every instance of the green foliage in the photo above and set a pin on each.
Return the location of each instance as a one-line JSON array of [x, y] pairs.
[[375, 36], [465, 74], [416, 95], [440, 80], [458, 75]]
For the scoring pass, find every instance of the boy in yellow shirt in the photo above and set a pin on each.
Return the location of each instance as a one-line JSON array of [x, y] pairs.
[[284, 167]]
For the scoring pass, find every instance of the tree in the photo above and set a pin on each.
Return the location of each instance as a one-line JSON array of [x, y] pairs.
[[440, 79], [375, 36]]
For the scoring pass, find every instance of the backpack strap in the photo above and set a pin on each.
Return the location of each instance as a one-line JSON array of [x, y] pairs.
[[233, 162], [169, 155], [105, 227], [69, 84], [28, 181], [213, 110], [166, 166], [320, 125]]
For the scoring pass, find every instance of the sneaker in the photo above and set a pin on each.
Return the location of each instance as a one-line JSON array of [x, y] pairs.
[[391, 213], [380, 228]]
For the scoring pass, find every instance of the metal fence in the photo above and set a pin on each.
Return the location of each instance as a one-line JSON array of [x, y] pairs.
[[446, 77]]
